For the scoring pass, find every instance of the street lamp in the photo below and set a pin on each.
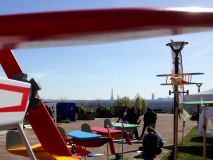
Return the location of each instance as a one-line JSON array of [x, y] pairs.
[[176, 48]]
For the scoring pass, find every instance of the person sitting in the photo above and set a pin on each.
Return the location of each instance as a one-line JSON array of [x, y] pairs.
[[161, 142], [151, 143]]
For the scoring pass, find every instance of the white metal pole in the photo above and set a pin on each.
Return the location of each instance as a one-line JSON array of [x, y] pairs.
[[25, 141]]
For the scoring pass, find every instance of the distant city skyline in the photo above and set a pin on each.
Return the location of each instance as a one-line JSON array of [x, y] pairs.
[[129, 67], [164, 105], [152, 97]]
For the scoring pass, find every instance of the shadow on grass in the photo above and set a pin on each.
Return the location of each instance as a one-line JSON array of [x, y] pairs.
[[197, 150], [192, 147], [200, 140]]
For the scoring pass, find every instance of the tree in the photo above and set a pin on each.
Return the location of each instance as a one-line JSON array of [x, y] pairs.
[[103, 112], [140, 103], [82, 109], [126, 101], [121, 102], [118, 101]]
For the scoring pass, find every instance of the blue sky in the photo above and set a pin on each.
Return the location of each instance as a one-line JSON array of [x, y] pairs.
[[130, 67]]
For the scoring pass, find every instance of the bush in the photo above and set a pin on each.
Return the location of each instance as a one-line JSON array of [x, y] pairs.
[[82, 110], [103, 112]]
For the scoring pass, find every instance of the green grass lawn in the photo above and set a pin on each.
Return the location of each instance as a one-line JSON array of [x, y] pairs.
[[192, 147]]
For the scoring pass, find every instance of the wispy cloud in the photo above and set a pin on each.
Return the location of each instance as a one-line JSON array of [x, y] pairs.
[[88, 76], [95, 76], [43, 74], [201, 53]]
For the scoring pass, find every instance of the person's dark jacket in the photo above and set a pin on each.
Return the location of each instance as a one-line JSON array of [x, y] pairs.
[[150, 117], [132, 117], [153, 117]]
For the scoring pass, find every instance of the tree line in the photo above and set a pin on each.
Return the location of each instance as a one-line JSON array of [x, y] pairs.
[[103, 111]]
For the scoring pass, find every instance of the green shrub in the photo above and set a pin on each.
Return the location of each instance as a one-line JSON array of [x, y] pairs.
[[103, 112]]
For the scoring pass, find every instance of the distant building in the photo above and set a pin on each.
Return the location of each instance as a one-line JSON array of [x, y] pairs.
[[112, 98], [153, 96]]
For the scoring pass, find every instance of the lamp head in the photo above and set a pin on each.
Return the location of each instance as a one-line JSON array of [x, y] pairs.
[[177, 46]]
